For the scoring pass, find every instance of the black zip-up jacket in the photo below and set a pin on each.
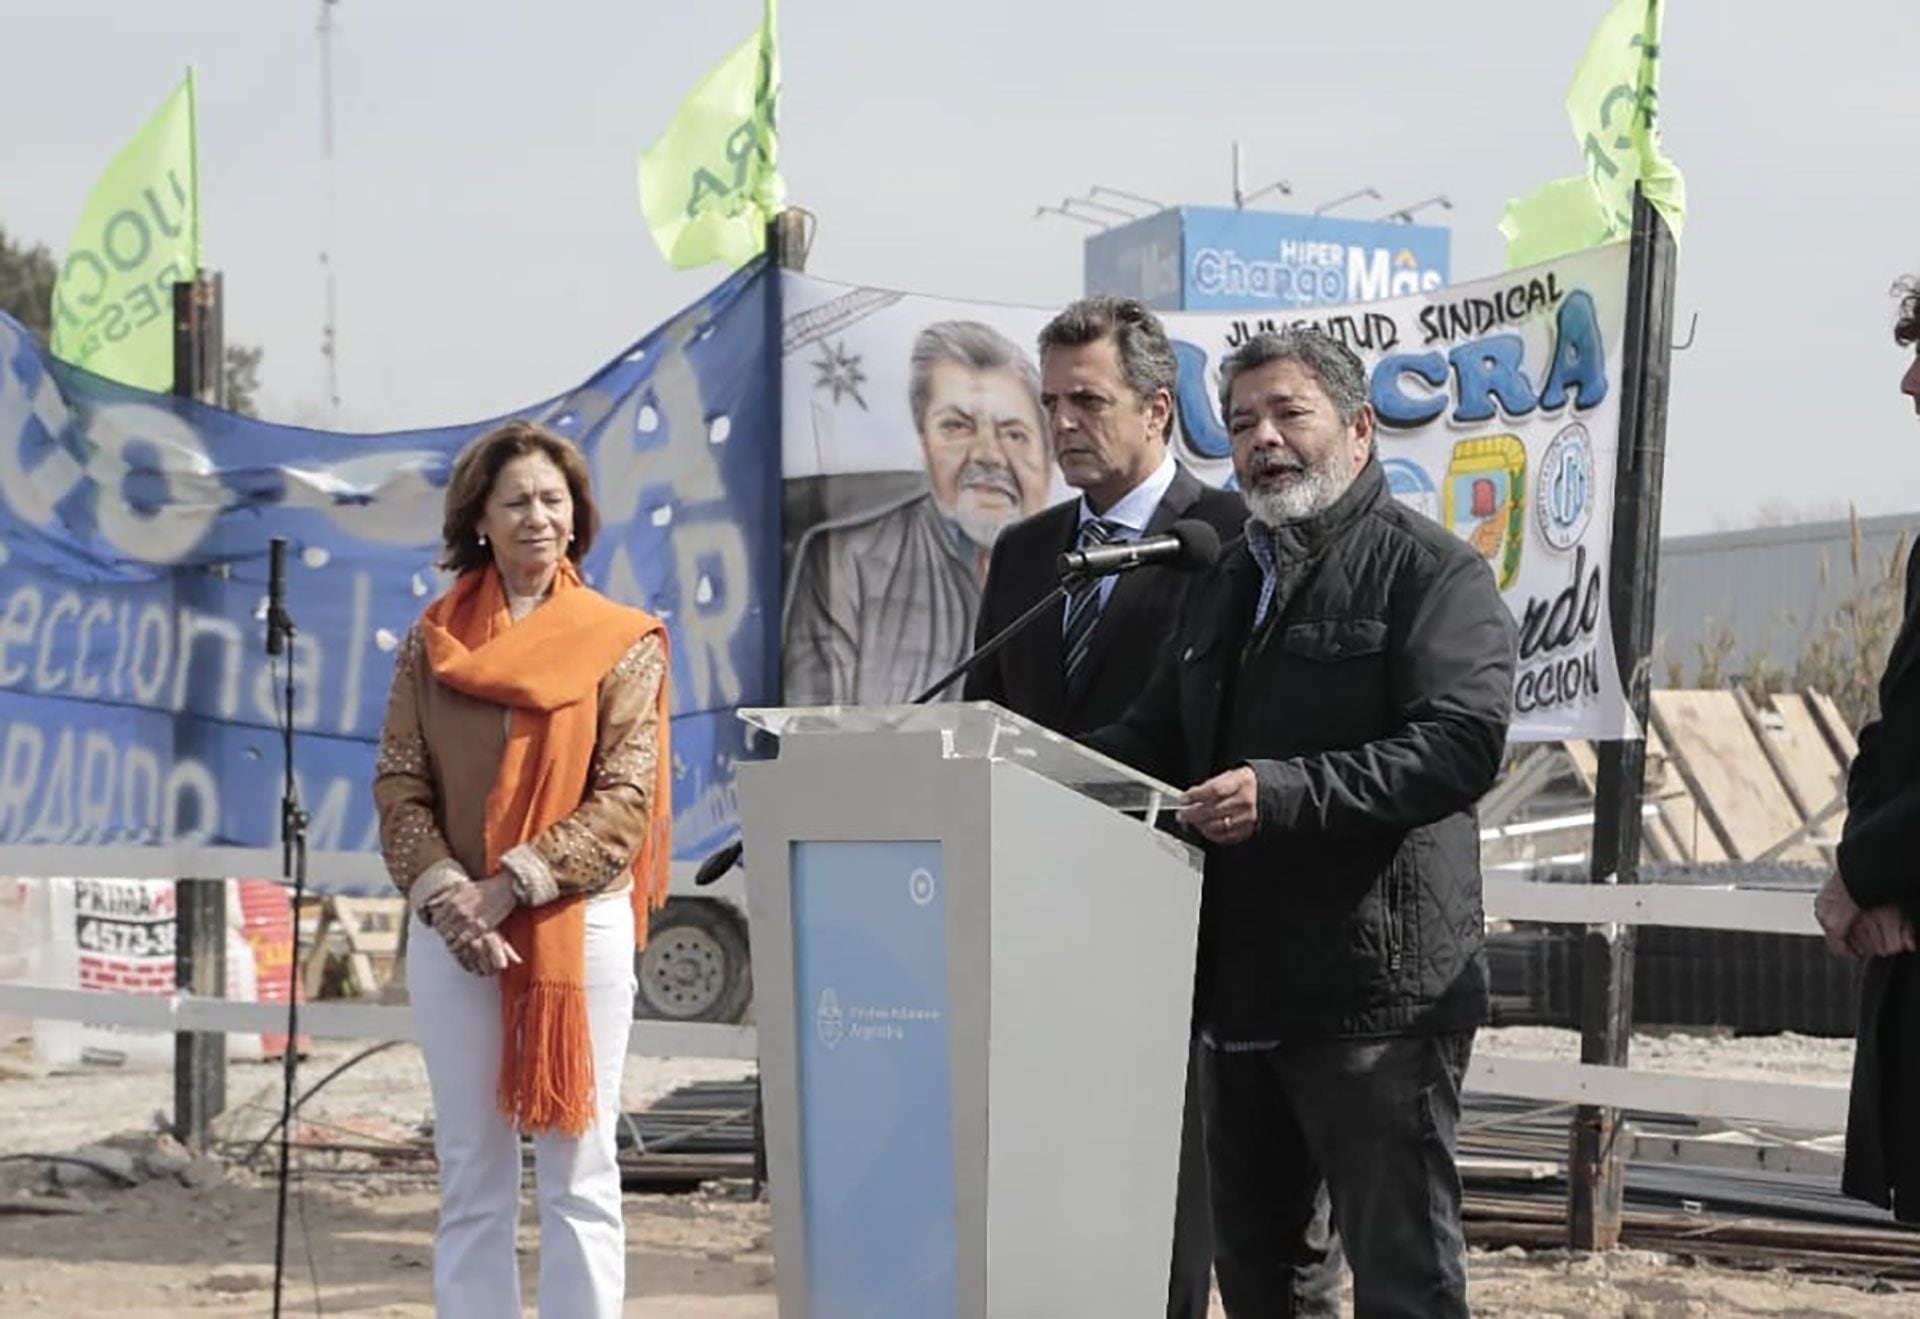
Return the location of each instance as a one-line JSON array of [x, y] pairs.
[[1372, 705]]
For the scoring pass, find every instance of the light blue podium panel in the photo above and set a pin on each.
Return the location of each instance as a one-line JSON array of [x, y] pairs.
[[973, 978]]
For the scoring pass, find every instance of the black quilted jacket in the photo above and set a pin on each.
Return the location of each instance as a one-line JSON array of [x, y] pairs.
[[1372, 705]]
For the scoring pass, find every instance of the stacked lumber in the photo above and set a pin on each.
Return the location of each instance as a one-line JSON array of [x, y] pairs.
[[1727, 779]]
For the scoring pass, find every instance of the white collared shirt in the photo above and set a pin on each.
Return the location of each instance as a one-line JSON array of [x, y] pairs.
[[1132, 511]]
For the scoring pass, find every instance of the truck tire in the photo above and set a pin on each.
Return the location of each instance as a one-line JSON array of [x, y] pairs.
[[695, 966]]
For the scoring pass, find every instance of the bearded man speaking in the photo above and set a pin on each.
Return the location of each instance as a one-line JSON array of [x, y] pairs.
[[1337, 691]]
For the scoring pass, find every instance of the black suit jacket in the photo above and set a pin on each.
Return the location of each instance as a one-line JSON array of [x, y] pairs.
[[1877, 862], [1134, 624]]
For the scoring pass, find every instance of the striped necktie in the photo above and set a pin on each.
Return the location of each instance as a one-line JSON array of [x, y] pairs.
[[1083, 602]]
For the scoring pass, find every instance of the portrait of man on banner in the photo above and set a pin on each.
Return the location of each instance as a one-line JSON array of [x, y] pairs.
[[882, 602]]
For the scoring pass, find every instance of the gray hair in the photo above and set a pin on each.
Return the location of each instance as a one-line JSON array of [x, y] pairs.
[[971, 344], [1140, 340], [1332, 363]]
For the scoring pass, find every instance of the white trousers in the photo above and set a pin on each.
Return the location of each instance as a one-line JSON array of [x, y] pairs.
[[583, 1248]]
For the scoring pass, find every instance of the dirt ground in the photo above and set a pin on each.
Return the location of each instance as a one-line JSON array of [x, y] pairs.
[[172, 1253], [359, 1241]]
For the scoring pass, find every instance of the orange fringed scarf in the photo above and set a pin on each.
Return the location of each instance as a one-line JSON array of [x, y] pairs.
[[547, 669]]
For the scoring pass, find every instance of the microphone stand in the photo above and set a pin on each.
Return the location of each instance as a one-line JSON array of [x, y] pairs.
[[1069, 582], [729, 856], [293, 866]]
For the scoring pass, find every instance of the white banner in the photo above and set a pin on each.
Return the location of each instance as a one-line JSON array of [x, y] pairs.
[[1499, 412], [117, 936]]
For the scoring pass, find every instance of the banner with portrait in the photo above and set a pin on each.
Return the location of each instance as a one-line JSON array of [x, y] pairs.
[[912, 432]]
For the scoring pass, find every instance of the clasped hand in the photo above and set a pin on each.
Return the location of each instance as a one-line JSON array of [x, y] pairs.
[[467, 918], [1883, 931]]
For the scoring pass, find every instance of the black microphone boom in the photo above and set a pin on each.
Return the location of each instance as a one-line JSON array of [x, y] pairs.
[[293, 865], [1187, 546]]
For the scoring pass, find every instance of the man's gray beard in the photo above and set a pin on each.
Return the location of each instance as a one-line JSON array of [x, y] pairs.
[[980, 528], [983, 528], [1314, 491]]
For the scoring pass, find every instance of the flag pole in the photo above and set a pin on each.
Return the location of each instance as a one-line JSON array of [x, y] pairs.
[[1596, 1164], [200, 905]]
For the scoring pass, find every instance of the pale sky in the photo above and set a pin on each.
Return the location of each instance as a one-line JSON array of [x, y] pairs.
[[490, 249]]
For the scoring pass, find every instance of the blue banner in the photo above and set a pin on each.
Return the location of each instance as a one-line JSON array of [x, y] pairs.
[[136, 703]]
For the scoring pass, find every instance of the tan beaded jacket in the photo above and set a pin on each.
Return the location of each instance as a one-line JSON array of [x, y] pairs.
[[440, 750]]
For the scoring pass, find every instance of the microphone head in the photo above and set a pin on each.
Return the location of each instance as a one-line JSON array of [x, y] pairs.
[[1199, 544], [718, 864]]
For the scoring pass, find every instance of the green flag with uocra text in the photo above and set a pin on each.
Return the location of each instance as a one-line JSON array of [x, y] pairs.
[[140, 233], [711, 183], [1613, 108]]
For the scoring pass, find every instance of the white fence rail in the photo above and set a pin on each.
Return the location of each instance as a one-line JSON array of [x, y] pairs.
[[349, 1021], [1813, 1107]]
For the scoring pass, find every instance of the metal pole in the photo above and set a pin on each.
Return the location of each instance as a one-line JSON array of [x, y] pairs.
[[1596, 1168], [789, 237], [200, 912]]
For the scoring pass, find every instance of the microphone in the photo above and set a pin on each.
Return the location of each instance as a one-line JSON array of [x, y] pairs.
[[1187, 546], [277, 595], [718, 864]]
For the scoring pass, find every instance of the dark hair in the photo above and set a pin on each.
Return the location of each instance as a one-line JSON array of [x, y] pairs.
[[1146, 358], [1906, 330], [1331, 362], [478, 467], [973, 345]]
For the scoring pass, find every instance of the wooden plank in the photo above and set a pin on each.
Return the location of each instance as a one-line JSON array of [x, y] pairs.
[[1815, 829], [1739, 1153], [1660, 838], [1833, 726], [1521, 784], [1818, 771], [1658, 842], [1769, 730], [1694, 838], [1495, 1168], [1586, 765], [313, 968], [1805, 770], [1720, 758]]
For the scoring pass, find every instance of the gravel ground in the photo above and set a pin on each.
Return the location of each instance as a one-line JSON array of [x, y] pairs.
[[361, 1242]]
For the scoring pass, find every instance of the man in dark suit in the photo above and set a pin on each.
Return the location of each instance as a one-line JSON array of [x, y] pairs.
[[1107, 376], [1869, 907], [1107, 379]]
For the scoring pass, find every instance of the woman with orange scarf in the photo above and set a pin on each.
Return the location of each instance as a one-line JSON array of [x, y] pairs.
[[522, 788]]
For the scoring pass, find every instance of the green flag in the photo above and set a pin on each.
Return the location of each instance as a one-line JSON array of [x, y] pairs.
[[1562, 217], [1613, 107], [710, 185], [140, 233]]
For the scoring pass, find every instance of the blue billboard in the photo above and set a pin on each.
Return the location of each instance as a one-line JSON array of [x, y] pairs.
[[1216, 258], [1139, 260]]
